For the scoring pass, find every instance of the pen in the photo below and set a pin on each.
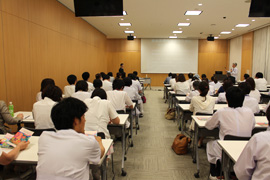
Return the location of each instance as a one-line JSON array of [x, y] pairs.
[[27, 117]]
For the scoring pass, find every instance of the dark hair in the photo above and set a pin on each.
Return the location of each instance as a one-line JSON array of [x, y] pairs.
[[259, 75], [71, 79], [196, 85], [118, 84], [251, 82], [52, 92], [123, 74], [268, 115], [170, 74], [97, 83], [204, 88], [85, 76], [227, 84], [132, 76], [81, 86], [98, 76], [121, 64], [174, 75], [214, 79], [246, 76], [235, 97], [203, 76], [205, 79], [102, 75], [135, 73], [127, 81], [46, 82], [110, 73], [190, 75], [100, 93], [245, 87], [118, 75], [64, 113], [181, 78], [106, 77]]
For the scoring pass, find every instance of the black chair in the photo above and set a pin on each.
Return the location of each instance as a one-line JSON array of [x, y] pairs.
[[38, 132], [101, 134], [222, 103], [236, 138], [203, 114]]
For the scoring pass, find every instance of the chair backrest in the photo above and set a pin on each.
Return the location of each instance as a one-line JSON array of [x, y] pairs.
[[222, 103], [203, 114], [180, 95], [236, 138], [101, 134], [121, 112], [38, 132]]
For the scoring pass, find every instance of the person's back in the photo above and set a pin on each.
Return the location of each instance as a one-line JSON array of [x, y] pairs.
[[260, 82], [107, 85], [167, 80], [255, 94], [70, 89], [182, 87], [81, 95], [251, 103], [172, 82]]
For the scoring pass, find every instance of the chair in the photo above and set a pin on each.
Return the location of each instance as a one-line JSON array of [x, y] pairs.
[[101, 134], [236, 138], [38, 132], [222, 103], [203, 114]]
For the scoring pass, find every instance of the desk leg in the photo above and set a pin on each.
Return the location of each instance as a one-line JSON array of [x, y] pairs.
[[226, 165], [182, 124], [164, 92], [131, 127], [123, 149], [103, 170], [197, 174]]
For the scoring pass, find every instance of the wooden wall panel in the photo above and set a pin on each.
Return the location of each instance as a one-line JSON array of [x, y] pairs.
[[3, 95], [17, 8], [247, 54]]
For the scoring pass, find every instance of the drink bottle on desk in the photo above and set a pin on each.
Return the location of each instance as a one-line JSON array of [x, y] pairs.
[[11, 109]]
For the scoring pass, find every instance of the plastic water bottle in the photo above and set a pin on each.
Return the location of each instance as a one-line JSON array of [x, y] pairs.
[[11, 109]]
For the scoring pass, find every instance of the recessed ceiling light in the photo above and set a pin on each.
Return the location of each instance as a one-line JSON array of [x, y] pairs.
[[177, 31], [193, 13], [124, 13], [172, 37], [122, 19], [187, 19], [200, 4], [225, 32], [183, 24], [233, 29], [180, 28], [219, 35], [124, 24], [242, 25], [127, 28], [134, 36], [129, 32], [253, 20], [216, 37]]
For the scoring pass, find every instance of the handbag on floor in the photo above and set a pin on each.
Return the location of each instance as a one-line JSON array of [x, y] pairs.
[[180, 144], [170, 114]]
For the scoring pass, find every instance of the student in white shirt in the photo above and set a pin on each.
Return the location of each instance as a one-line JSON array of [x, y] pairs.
[[44, 84], [249, 102], [135, 83], [234, 120], [253, 163], [194, 92], [97, 83], [261, 83], [81, 90], [85, 77], [106, 84], [173, 80], [111, 77], [42, 109], [70, 89], [253, 92], [67, 153], [181, 86], [234, 71], [214, 82], [245, 77], [190, 76], [222, 96], [98, 76]]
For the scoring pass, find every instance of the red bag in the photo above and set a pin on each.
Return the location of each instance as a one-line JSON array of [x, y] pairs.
[[143, 99]]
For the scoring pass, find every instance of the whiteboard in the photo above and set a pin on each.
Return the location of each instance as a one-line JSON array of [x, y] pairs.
[[169, 55]]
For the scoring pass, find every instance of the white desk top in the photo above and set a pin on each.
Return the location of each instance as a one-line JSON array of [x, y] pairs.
[[167, 85], [171, 92], [185, 107], [265, 93], [29, 155], [27, 116], [201, 120], [123, 118], [233, 148], [169, 88], [182, 98]]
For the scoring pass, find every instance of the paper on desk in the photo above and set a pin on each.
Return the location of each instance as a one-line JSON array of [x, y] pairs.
[[28, 117], [263, 124], [204, 118]]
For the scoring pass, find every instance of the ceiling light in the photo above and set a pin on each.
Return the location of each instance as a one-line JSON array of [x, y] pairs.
[[127, 28], [180, 28], [253, 20], [233, 29], [129, 32], [183, 24], [200, 4], [177, 31], [193, 13], [187, 19], [242, 25], [225, 32], [219, 35], [172, 37], [124, 13], [124, 24], [122, 19], [216, 37], [134, 36]]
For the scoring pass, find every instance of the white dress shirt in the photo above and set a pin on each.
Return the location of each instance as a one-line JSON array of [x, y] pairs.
[[261, 84], [39, 96], [191, 95], [202, 105], [42, 113], [107, 85], [132, 93], [119, 99], [251, 103], [182, 87], [82, 95], [255, 94], [111, 79], [66, 154], [136, 85], [221, 97], [253, 163], [98, 115], [234, 72], [90, 87], [230, 121], [69, 90], [172, 82]]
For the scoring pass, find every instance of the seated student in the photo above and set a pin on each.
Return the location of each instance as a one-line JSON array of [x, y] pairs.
[[253, 163], [261, 83], [85, 77], [181, 86], [255, 93], [190, 76], [234, 120], [118, 75], [81, 91], [136, 75], [111, 76], [173, 80], [98, 76], [102, 74], [214, 82], [106, 84], [211, 91], [222, 95], [194, 92], [196, 77], [167, 80], [67, 153], [232, 78], [119, 98], [249, 102], [70, 89], [204, 76], [100, 113], [42, 109], [44, 84], [246, 76], [135, 83], [5, 117]]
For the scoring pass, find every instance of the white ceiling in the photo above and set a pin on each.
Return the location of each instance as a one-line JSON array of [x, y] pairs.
[[159, 18]]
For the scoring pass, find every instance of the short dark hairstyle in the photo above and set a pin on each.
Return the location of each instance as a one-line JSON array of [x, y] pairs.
[[106, 77], [64, 113], [174, 75], [85, 76], [170, 74], [251, 82], [132, 76], [127, 81], [181, 78], [98, 76], [246, 76], [100, 93], [227, 84], [203, 76], [81, 86], [245, 87], [204, 88], [45, 82], [118, 84], [190, 75], [214, 79], [118, 75], [259, 75], [268, 115], [52, 92], [235, 97], [196, 85], [102, 75], [121, 64], [71, 79], [97, 83], [135, 73], [110, 73]]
